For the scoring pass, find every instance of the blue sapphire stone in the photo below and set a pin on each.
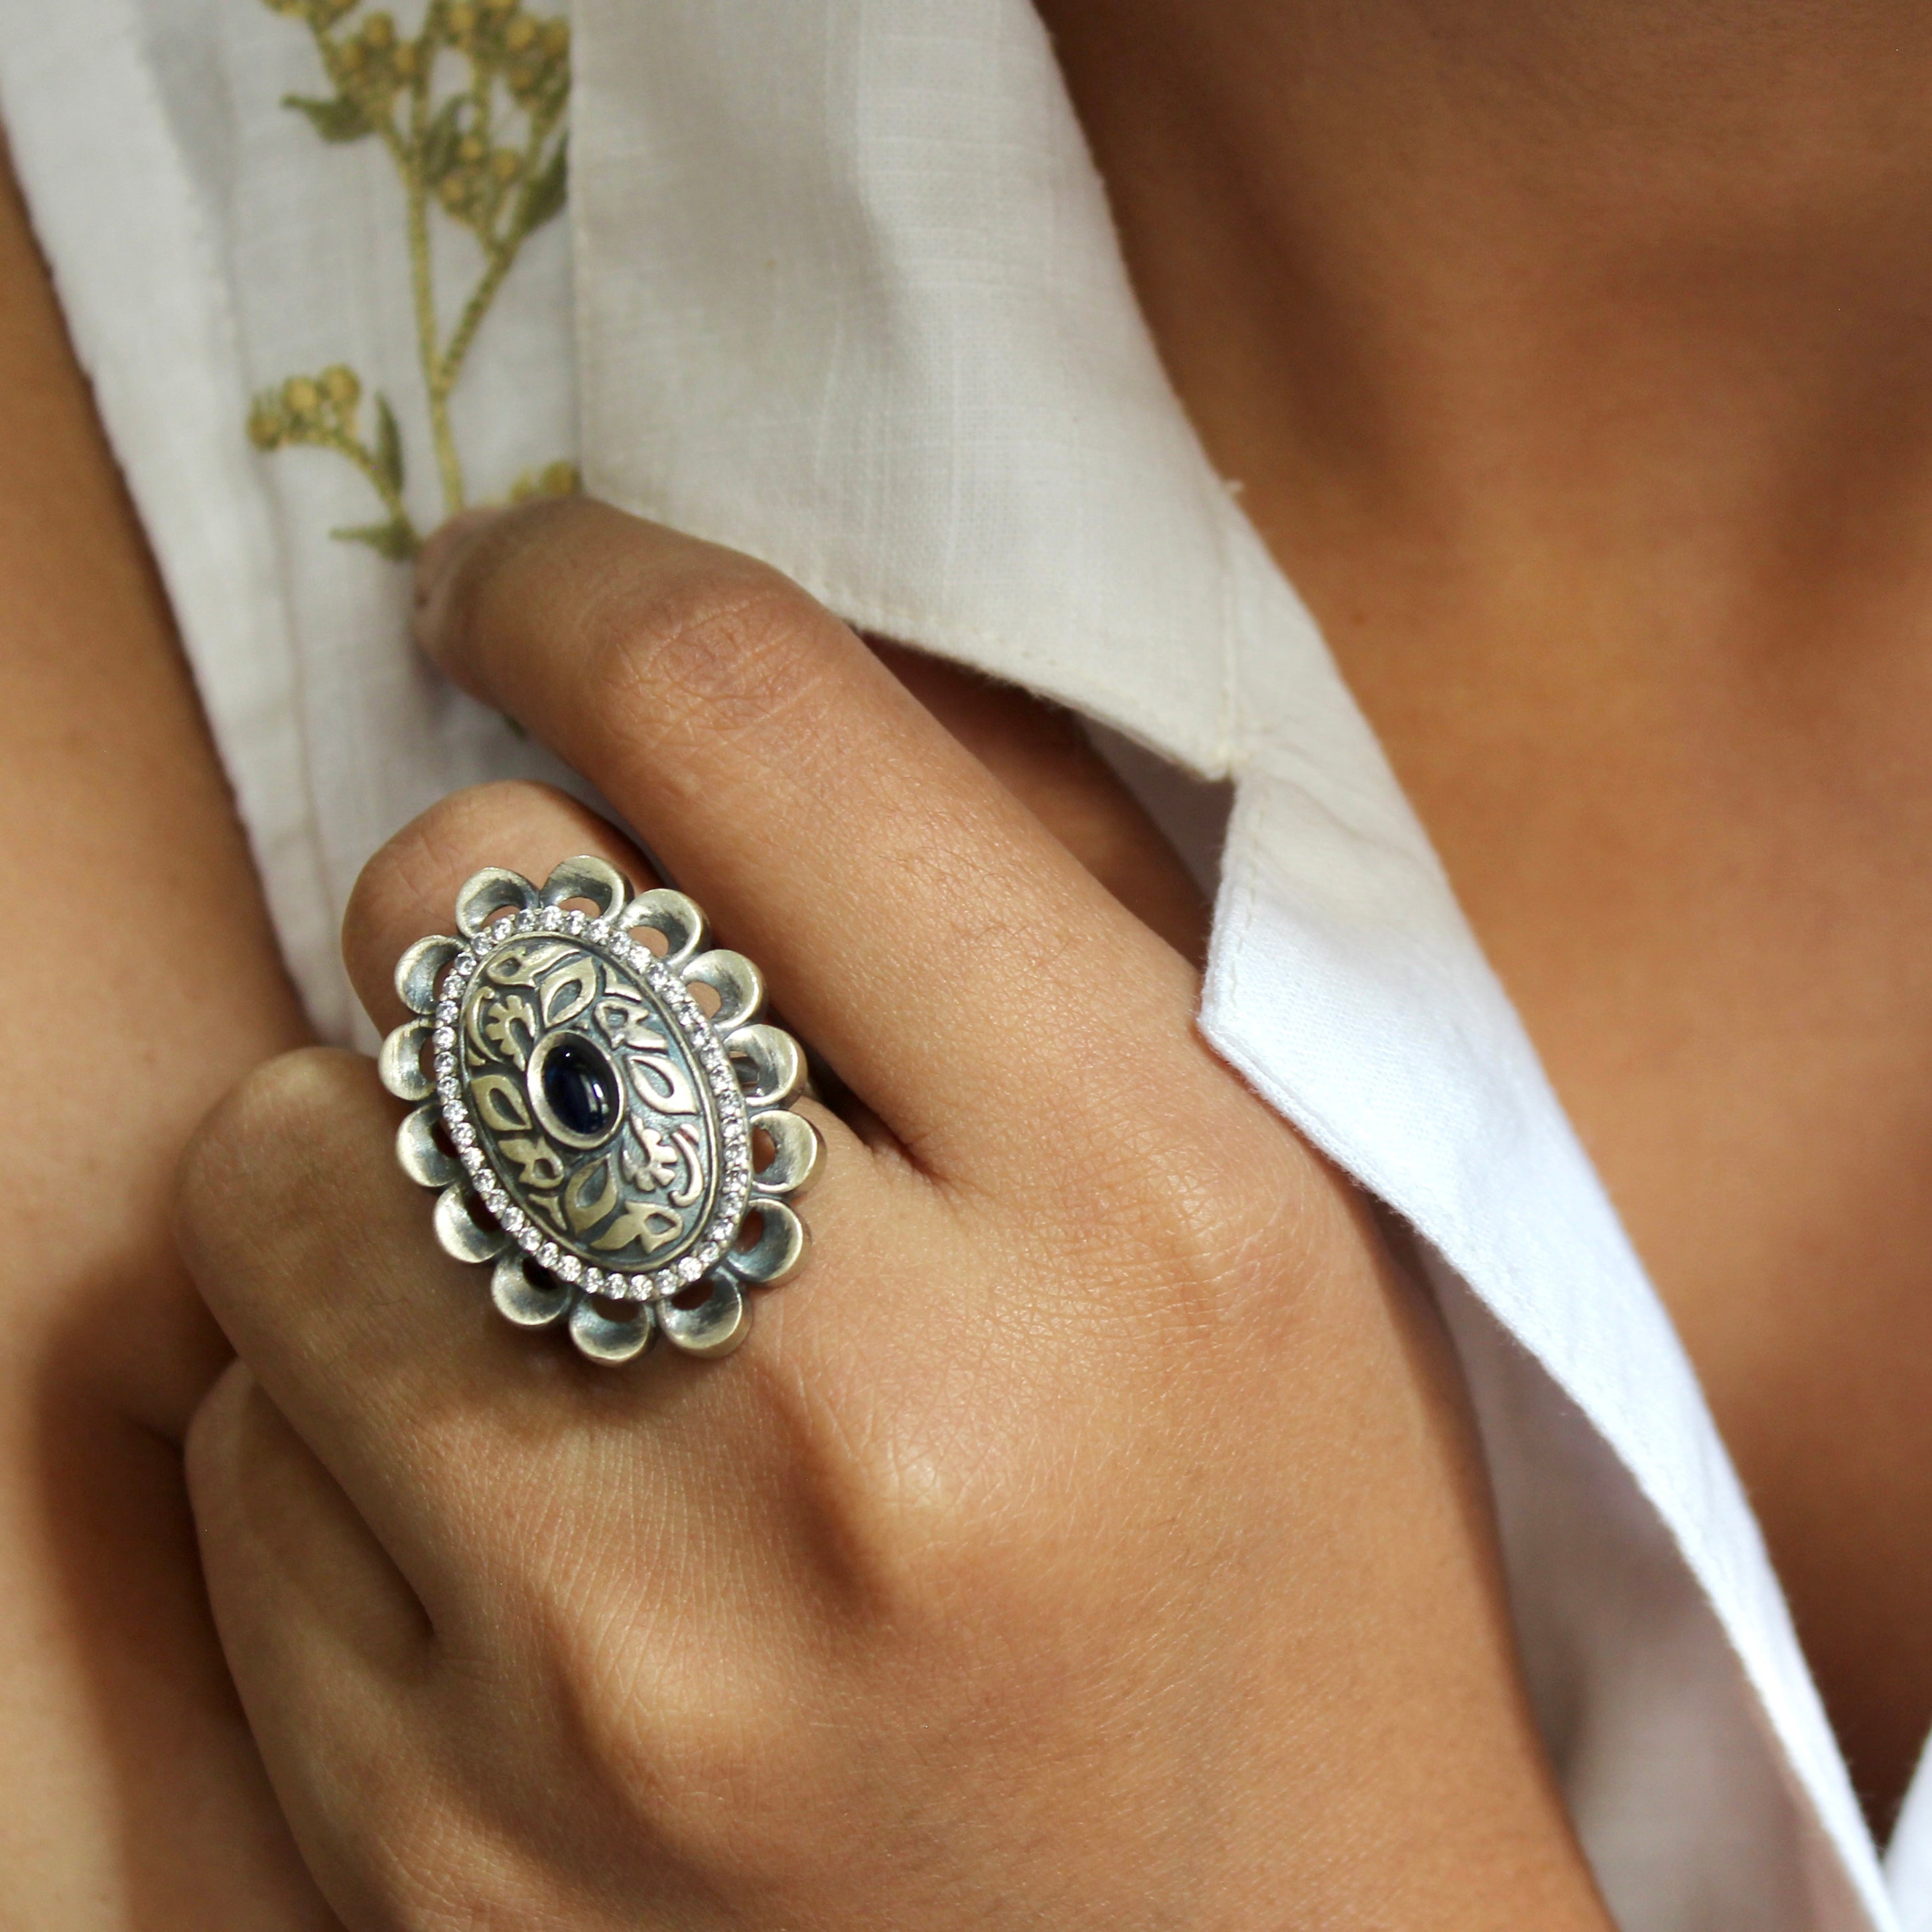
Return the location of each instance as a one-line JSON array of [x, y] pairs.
[[582, 1088]]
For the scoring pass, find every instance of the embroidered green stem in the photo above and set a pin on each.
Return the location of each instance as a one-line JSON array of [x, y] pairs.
[[422, 286], [447, 152]]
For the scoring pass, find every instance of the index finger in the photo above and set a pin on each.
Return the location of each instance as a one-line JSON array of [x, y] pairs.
[[947, 954]]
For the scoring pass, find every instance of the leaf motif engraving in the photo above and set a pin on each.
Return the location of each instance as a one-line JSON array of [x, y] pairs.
[[567, 991], [662, 1082], [585, 1212], [686, 1143], [500, 1103], [505, 1017], [526, 962], [537, 1164], [650, 1227], [627, 1022]]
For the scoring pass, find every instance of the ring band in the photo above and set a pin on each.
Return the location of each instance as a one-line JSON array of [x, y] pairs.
[[593, 1130]]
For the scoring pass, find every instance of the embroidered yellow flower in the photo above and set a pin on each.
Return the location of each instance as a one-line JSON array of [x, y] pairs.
[[491, 151]]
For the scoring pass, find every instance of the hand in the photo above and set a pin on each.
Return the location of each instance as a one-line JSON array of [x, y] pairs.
[[1090, 1535]]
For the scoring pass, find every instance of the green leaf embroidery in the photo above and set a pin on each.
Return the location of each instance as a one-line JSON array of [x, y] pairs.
[[441, 139], [489, 153], [389, 445], [397, 540], [341, 119], [544, 196]]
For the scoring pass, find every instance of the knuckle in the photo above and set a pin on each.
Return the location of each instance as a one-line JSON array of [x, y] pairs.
[[1245, 1226], [1181, 1216], [664, 1718], [908, 1502], [722, 648], [429, 858], [459, 833], [253, 1149], [650, 1699], [1215, 1212], [410, 887]]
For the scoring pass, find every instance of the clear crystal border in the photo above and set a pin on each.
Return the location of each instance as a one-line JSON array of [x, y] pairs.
[[675, 998]]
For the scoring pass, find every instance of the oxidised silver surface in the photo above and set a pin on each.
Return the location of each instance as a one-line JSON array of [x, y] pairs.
[[590, 1124]]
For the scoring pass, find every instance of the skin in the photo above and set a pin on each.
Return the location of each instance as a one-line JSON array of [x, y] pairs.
[[131, 1793], [1571, 355], [1565, 353], [998, 1484], [134, 1797]]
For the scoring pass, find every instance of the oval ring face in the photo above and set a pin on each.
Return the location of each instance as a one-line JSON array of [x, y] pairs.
[[590, 1101], [588, 1129]]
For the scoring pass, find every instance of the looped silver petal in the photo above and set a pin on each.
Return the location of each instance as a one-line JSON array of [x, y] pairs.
[[461, 1233], [603, 1339], [776, 1063], [670, 913], [739, 985], [589, 1128], [587, 878], [419, 969], [775, 1255], [491, 891], [423, 1159], [798, 1146], [399, 1063], [529, 1303], [715, 1327]]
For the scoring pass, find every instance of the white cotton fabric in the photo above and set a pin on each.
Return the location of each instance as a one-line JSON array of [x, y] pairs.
[[840, 289]]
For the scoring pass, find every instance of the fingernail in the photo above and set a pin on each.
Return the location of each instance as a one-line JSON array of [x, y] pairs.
[[435, 570]]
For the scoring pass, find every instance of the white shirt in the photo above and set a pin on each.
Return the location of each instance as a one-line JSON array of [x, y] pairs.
[[838, 286]]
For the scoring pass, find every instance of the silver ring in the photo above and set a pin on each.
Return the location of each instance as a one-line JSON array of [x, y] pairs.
[[622, 1153]]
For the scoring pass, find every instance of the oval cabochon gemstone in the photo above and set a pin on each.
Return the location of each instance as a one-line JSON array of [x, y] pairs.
[[582, 1088]]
